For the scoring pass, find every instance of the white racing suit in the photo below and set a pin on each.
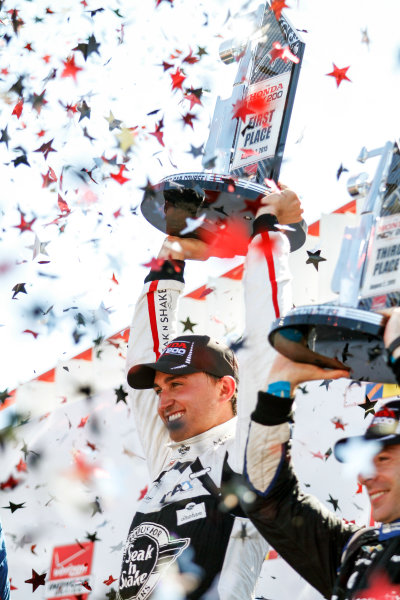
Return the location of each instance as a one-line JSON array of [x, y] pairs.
[[181, 521]]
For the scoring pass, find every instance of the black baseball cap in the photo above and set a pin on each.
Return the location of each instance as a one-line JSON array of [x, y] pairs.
[[185, 355], [383, 429]]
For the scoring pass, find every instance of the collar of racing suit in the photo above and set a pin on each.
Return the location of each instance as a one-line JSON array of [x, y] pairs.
[[192, 447]]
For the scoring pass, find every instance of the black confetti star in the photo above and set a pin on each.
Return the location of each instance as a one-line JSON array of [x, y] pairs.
[[314, 258], [94, 12], [92, 537], [303, 389], [46, 149], [36, 580], [368, 407], [13, 507], [4, 395], [201, 51], [148, 189], [21, 160], [95, 506], [5, 138], [210, 163], [326, 383], [188, 325], [239, 343], [121, 394], [87, 49], [84, 109], [195, 152], [345, 353], [340, 170], [38, 101], [18, 86], [334, 502], [19, 288], [220, 209]]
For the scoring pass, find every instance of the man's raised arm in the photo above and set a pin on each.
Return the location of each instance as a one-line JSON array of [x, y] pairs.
[[153, 327], [267, 296], [306, 534]]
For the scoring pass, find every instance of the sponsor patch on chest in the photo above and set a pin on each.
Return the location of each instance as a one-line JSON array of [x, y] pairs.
[[191, 512]]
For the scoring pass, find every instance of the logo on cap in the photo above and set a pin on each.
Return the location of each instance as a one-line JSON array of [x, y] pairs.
[[176, 348], [384, 422]]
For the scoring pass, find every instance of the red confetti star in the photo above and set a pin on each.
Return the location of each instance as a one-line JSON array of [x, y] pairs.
[[277, 6], [47, 179], [339, 74], [41, 133], [32, 332], [10, 483], [36, 580], [143, 492], [158, 2], [71, 108], [12, 587], [177, 79], [318, 455], [33, 548], [241, 109], [155, 264], [24, 225], [338, 423], [86, 585], [232, 239], [4, 71], [190, 58], [29, 47], [158, 134], [188, 119], [62, 205], [166, 65], [83, 470], [83, 422], [119, 177], [46, 58], [110, 580], [70, 68], [91, 446], [21, 466], [117, 213], [114, 279], [359, 488], [282, 52], [18, 108], [193, 99]]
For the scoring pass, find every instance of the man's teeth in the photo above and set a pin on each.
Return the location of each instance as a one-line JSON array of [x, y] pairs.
[[377, 495], [175, 416]]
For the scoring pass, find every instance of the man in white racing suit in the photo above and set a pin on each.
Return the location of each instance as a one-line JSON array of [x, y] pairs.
[[189, 521]]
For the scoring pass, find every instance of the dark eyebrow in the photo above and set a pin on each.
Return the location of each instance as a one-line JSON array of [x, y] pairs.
[[171, 378]]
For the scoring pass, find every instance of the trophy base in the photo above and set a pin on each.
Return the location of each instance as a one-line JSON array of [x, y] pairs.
[[331, 336], [213, 200]]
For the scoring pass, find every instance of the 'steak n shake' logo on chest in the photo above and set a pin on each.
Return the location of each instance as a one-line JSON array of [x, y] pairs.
[[148, 551]]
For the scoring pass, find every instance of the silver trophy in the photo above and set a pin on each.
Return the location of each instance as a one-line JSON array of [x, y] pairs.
[[367, 279], [241, 152]]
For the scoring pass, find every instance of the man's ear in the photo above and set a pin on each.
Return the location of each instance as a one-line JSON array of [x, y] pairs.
[[227, 388]]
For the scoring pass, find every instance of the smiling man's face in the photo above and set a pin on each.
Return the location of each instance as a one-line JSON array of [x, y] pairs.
[[383, 486], [192, 404]]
